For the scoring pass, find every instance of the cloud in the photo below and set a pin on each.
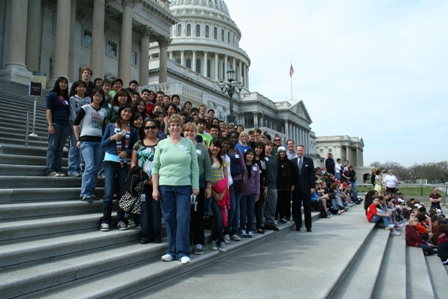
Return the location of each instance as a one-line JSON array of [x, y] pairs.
[[374, 69]]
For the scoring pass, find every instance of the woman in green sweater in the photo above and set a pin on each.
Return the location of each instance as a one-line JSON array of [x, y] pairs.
[[175, 177]]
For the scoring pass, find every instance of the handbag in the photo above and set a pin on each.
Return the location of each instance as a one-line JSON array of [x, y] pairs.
[[132, 203]]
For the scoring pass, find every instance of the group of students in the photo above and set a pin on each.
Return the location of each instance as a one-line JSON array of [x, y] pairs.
[[188, 154], [427, 230]]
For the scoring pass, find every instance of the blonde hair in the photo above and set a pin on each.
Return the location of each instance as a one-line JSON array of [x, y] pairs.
[[175, 118], [244, 133], [189, 126]]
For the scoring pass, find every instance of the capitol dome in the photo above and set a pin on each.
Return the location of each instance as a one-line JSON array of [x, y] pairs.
[[218, 5], [206, 40]]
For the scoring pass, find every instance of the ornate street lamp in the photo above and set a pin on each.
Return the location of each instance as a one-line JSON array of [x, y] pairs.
[[230, 87]]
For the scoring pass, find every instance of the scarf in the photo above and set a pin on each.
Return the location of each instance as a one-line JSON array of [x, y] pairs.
[[126, 142]]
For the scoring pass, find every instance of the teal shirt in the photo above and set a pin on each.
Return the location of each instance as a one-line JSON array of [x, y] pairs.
[[176, 164]]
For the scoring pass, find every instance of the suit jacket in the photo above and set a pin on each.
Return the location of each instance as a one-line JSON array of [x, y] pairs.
[[306, 179]]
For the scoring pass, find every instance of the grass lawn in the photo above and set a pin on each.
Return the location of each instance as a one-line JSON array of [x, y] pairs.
[[407, 191]]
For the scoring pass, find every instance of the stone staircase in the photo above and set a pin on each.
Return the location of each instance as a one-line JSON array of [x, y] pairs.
[[50, 245]]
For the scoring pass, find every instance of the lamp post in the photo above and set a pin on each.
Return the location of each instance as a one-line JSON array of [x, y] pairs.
[[230, 87]]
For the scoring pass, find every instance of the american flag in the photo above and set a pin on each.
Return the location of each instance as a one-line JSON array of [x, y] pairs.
[[291, 71]]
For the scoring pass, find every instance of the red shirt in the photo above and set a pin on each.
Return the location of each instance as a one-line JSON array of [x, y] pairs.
[[371, 211]]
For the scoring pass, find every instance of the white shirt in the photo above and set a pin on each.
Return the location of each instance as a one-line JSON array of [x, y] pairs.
[[338, 167], [391, 181]]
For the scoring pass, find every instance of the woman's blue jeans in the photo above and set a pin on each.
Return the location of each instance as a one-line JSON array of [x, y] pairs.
[[176, 212], [56, 144]]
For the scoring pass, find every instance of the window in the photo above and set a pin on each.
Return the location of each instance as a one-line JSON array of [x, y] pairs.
[[87, 38], [188, 30], [321, 150], [198, 66], [233, 42], [228, 37], [178, 60], [134, 58], [222, 34], [179, 30], [330, 150], [189, 63], [198, 30], [112, 48], [207, 31], [215, 33]]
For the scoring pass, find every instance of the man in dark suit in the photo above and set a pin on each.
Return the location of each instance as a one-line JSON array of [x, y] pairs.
[[304, 187]]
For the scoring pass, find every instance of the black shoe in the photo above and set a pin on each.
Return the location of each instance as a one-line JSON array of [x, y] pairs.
[[158, 240], [144, 241], [297, 229], [271, 227], [308, 230]]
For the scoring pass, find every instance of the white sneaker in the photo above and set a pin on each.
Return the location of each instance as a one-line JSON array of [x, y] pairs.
[[250, 234], [222, 247], [214, 246], [167, 258], [185, 260], [104, 227], [243, 233], [226, 238], [395, 233], [236, 238], [390, 226]]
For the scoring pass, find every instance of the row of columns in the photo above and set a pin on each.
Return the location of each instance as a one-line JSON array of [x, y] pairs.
[[26, 32], [240, 69], [299, 134]]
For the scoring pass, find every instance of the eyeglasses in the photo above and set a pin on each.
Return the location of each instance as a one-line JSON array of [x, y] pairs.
[[150, 127], [277, 140]]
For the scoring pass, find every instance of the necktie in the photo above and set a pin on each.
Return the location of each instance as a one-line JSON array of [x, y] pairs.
[[300, 166]]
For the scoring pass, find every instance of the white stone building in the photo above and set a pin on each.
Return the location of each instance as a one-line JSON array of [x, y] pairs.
[[344, 147]]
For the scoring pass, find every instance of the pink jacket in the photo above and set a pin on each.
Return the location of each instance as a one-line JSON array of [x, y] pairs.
[[219, 187]]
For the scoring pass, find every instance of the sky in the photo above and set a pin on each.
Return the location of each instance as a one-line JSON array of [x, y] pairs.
[[375, 69]]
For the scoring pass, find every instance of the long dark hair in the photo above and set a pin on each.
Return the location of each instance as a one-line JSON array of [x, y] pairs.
[[56, 89], [121, 92], [122, 107], [136, 103], [75, 85], [216, 142]]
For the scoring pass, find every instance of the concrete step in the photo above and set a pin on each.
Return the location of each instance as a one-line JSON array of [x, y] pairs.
[[40, 141], [147, 272], [438, 275], [45, 249], [27, 170], [418, 279], [22, 211], [7, 182], [39, 151], [20, 136], [23, 280], [17, 195], [391, 282], [306, 265], [364, 267], [26, 160], [43, 227]]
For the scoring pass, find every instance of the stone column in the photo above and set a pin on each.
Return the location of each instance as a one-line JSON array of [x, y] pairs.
[[34, 34], [225, 68], [62, 40], [247, 75], [193, 61], [163, 63], [216, 67], [98, 51], [255, 113], [145, 32], [239, 74], [171, 55], [182, 58], [205, 64], [234, 68], [124, 67], [15, 69], [76, 15], [286, 129]]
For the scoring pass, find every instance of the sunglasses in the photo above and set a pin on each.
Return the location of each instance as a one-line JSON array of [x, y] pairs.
[[277, 140], [150, 127]]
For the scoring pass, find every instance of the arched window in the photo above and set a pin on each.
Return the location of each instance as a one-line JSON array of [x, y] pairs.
[[179, 30], [189, 63], [198, 65], [188, 30], [178, 60], [222, 34], [198, 30], [215, 33], [228, 37], [207, 33]]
